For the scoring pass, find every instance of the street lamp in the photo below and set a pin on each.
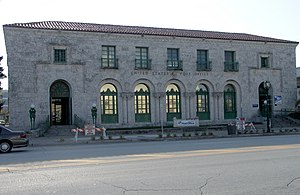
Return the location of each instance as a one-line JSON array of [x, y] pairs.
[[267, 86], [32, 116], [94, 113]]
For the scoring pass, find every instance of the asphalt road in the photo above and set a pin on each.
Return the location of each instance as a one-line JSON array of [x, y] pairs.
[[248, 165]]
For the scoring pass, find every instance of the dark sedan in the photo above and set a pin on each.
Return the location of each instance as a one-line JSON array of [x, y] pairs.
[[12, 139]]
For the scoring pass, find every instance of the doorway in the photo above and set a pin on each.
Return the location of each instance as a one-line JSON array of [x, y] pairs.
[[60, 103]]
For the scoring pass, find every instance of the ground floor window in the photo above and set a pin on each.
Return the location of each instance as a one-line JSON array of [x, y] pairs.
[[173, 102], [142, 103], [229, 102], [202, 95], [109, 104]]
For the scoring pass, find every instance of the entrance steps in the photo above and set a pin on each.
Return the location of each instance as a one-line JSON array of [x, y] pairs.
[[60, 130]]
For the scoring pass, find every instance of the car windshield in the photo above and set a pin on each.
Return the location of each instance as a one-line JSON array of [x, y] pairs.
[[4, 129]]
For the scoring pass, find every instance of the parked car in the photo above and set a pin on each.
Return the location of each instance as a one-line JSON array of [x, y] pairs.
[[12, 139]]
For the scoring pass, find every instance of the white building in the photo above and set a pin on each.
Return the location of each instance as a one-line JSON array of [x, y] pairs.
[[142, 76]]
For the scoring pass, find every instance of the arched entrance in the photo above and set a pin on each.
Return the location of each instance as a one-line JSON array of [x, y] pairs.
[[60, 100]]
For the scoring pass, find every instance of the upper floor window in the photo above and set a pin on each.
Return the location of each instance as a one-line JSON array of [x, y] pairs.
[[60, 55], [230, 63], [173, 61], [203, 63], [109, 59], [265, 60], [142, 60]]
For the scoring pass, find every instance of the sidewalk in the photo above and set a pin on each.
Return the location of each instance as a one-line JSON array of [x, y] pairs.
[[69, 140]]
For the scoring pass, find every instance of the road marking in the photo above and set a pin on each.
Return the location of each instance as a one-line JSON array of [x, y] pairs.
[[138, 157]]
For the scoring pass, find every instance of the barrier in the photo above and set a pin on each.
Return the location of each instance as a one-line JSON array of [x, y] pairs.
[[89, 130], [76, 133], [102, 130], [251, 125]]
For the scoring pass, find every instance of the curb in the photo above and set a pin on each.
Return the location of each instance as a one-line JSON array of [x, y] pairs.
[[58, 141]]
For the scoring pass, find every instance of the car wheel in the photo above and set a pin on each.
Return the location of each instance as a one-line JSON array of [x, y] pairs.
[[5, 147]]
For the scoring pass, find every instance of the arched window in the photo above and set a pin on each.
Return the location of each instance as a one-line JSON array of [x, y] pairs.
[[173, 102], [109, 104], [142, 103], [202, 102], [229, 102]]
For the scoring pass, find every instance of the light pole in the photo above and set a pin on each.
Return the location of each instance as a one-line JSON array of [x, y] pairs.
[[267, 86], [32, 116], [94, 113]]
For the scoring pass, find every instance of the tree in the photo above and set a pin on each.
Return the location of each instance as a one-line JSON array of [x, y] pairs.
[[2, 76]]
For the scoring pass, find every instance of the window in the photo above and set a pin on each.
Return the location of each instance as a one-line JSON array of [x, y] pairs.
[[229, 102], [173, 102], [108, 59], [202, 60], [202, 102], [109, 105], [264, 61], [60, 56], [142, 103], [173, 61], [230, 63], [141, 58]]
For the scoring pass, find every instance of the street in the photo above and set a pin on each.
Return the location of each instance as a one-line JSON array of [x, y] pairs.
[[243, 165]]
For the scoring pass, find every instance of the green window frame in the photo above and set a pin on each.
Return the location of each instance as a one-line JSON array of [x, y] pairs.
[[173, 102], [203, 63], [60, 56], [108, 59], [230, 111], [109, 104], [264, 62], [142, 103], [142, 60], [173, 61], [230, 64], [202, 95]]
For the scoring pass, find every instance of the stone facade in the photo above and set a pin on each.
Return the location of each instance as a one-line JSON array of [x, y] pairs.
[[32, 72]]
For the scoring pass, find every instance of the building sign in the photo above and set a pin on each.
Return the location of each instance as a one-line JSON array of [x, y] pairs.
[[168, 73], [277, 100], [89, 129], [185, 123]]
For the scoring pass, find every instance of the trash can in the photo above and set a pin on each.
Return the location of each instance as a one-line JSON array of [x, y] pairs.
[[231, 128]]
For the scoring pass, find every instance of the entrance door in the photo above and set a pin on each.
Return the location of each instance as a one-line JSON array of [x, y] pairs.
[[60, 103], [60, 111]]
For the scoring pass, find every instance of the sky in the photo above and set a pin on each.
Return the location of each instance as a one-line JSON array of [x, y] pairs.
[[270, 18]]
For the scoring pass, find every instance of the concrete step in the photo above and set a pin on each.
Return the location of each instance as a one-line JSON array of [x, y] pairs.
[[60, 130]]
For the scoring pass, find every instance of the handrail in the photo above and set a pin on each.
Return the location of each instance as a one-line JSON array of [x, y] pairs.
[[78, 122]]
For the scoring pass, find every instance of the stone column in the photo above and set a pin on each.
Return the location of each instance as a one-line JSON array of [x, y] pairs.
[[218, 103], [189, 101], [159, 108], [128, 107]]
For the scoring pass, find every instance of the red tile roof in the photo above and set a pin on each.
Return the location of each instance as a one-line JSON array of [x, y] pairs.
[[105, 28]]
